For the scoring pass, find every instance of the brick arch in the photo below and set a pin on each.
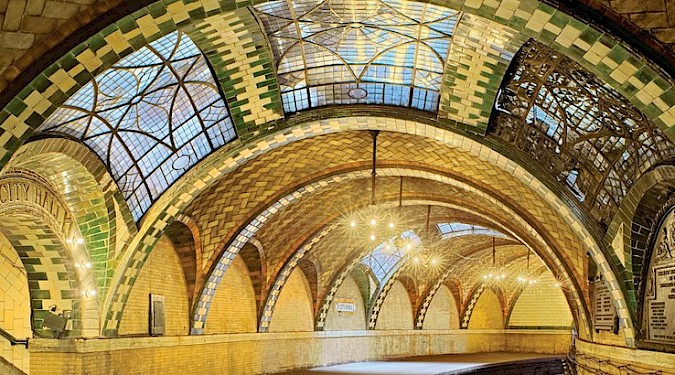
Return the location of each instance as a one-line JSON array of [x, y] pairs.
[[667, 209], [312, 269], [478, 291], [50, 270], [223, 162], [635, 217], [185, 239], [410, 286], [523, 20], [354, 264], [253, 256], [363, 276], [308, 268], [453, 284], [39, 225], [511, 302], [93, 202]]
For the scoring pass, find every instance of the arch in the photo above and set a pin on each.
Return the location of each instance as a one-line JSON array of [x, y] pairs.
[[287, 270], [94, 204], [543, 306], [442, 311], [489, 306], [349, 293], [253, 256], [186, 240], [188, 190], [233, 309], [453, 284], [396, 310], [252, 228], [39, 225], [584, 42], [294, 306]]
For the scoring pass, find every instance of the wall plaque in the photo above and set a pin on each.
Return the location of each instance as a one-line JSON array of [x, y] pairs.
[[345, 306], [659, 304], [603, 309]]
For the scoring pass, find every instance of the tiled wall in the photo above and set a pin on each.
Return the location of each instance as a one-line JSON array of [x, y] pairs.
[[294, 311], [270, 352], [396, 311], [487, 313], [543, 305], [161, 275], [342, 321], [614, 360], [14, 305], [233, 307], [442, 312]]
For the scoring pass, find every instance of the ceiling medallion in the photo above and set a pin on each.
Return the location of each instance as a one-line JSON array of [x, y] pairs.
[[358, 93]]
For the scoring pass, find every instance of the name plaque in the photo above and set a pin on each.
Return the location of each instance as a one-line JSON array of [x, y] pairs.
[[660, 287], [603, 309], [345, 306]]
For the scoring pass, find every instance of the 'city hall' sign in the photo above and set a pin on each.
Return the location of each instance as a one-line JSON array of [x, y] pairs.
[[23, 193], [660, 288]]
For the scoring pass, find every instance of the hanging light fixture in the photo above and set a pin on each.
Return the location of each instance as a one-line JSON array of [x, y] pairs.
[[373, 224], [527, 279], [494, 274], [426, 258]]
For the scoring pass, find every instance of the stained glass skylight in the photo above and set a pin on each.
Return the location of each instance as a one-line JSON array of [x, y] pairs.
[[388, 254], [582, 130], [450, 230], [150, 117], [390, 52]]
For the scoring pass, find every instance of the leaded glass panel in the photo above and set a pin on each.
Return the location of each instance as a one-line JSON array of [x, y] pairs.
[[387, 255], [390, 52], [583, 131], [150, 117]]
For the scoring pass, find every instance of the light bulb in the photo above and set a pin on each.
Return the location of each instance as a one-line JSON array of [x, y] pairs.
[[352, 224], [434, 261], [373, 222], [89, 293], [372, 237], [416, 260], [391, 225], [557, 285]]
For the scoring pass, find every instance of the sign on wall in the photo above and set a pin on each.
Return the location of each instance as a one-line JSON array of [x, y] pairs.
[[603, 309], [157, 317], [345, 306], [659, 303]]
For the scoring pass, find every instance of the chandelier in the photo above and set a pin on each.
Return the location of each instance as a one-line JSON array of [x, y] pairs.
[[374, 224], [528, 278], [494, 274]]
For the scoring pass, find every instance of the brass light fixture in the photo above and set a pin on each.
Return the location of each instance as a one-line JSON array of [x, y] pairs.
[[494, 274]]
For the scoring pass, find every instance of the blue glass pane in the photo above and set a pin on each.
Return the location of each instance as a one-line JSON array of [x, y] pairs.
[[451, 230], [386, 256], [150, 117], [358, 52]]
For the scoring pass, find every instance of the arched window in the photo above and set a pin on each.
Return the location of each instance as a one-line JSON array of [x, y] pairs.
[[390, 52], [150, 117], [579, 128]]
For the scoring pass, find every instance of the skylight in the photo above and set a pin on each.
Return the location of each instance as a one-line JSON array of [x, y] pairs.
[[387, 255], [450, 230], [150, 117], [390, 52]]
